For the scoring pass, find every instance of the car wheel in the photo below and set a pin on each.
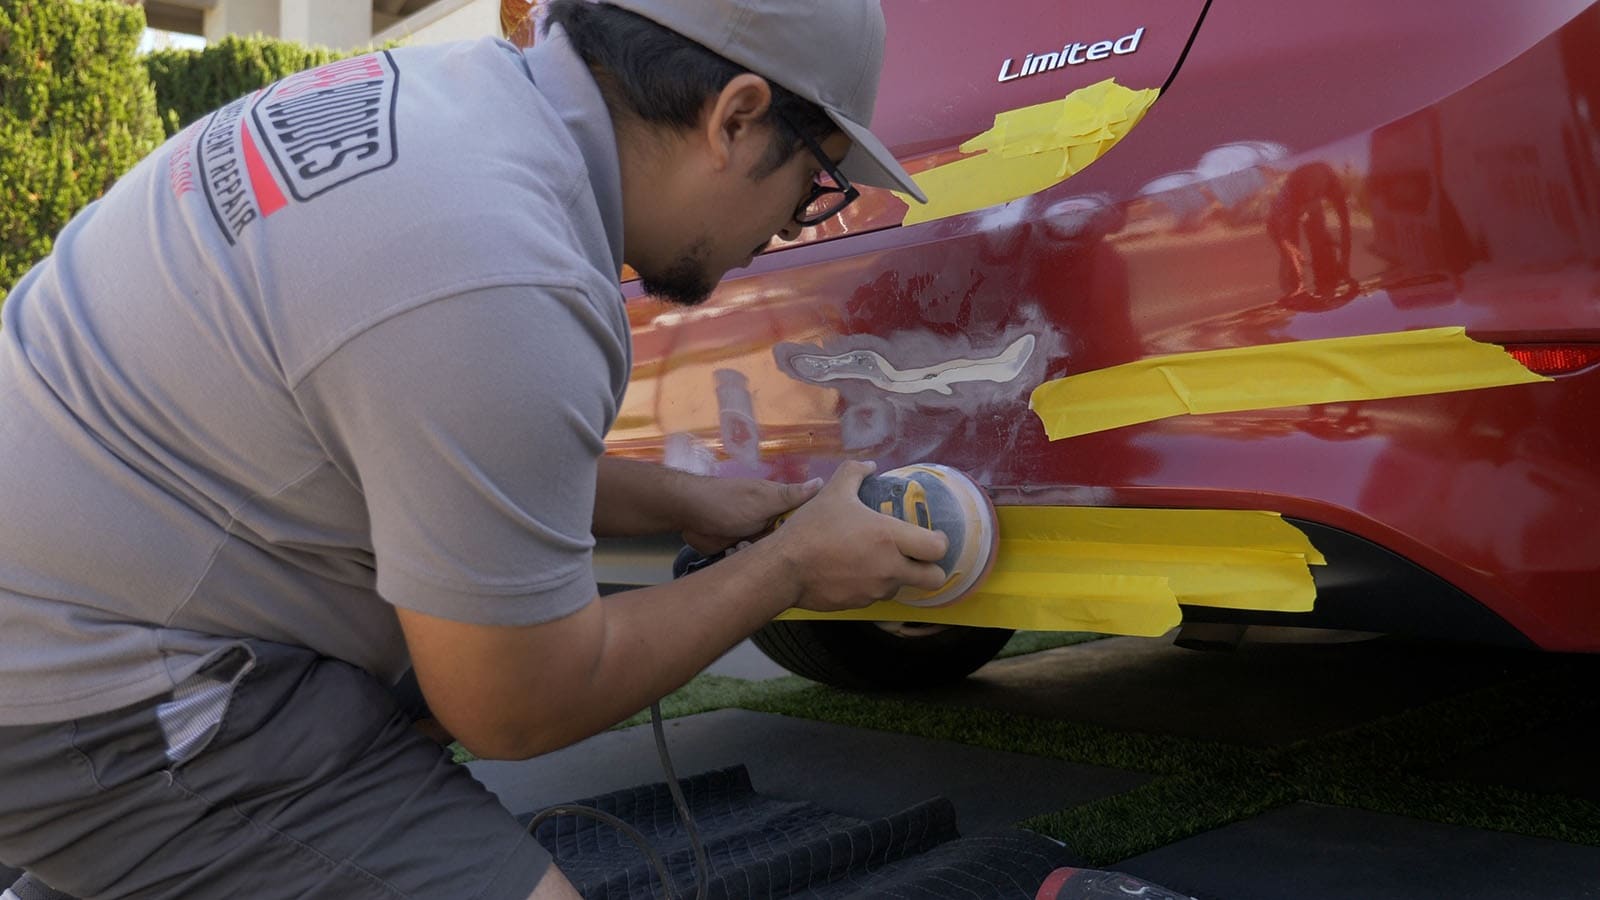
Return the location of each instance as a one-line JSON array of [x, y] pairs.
[[872, 655]]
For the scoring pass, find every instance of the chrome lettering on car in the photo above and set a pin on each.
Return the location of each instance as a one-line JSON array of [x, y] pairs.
[[871, 366], [1071, 54]]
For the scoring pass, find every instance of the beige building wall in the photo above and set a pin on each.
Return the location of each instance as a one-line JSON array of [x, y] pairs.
[[332, 23], [447, 20], [241, 17], [341, 24]]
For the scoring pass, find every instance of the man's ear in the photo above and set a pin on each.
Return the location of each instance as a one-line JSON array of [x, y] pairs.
[[729, 123]]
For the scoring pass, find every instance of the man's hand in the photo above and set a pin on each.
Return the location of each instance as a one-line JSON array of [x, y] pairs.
[[724, 511], [712, 514], [639, 498], [844, 555]]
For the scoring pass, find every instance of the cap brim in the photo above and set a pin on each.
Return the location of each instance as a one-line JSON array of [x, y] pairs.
[[870, 162]]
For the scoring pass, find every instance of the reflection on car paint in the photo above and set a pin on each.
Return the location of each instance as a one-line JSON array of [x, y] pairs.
[[1301, 207], [1229, 174], [687, 453], [869, 365], [736, 416]]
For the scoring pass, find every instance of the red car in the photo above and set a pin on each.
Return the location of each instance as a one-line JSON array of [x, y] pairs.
[[1310, 170]]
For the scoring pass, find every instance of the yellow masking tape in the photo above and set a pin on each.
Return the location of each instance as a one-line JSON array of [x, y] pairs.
[[1103, 111], [1123, 571], [1109, 604], [1166, 529], [1238, 559], [1298, 373], [1030, 149], [1275, 582]]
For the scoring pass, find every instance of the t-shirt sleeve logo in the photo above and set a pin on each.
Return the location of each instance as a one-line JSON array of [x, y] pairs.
[[320, 128], [330, 125]]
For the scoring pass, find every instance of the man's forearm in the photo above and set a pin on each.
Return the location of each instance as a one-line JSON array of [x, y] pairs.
[[659, 637], [512, 693], [638, 498]]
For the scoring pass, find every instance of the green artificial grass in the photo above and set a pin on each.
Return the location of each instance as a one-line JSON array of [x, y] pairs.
[[708, 692], [1200, 785], [1197, 785]]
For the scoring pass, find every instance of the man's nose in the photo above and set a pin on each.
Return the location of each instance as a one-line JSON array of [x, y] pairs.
[[791, 230]]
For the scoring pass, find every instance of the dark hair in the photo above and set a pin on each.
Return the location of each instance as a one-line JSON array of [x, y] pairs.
[[658, 76]]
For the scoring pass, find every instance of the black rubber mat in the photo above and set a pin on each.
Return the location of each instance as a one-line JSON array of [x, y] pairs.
[[760, 847]]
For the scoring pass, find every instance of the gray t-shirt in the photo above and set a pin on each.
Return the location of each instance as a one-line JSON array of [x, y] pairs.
[[351, 341]]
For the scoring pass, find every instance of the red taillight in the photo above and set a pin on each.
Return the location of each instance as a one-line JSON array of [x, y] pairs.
[[1555, 359]]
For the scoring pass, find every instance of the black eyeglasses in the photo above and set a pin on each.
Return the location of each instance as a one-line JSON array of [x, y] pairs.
[[830, 193]]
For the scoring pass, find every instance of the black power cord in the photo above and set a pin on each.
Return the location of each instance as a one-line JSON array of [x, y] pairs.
[[688, 560], [701, 865]]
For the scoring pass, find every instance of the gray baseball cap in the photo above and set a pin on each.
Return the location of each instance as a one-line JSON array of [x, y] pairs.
[[826, 51]]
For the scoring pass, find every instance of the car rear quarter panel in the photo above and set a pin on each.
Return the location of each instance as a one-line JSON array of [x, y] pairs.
[[1315, 170]]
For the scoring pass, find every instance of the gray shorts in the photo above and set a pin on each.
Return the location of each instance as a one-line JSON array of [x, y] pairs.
[[276, 773]]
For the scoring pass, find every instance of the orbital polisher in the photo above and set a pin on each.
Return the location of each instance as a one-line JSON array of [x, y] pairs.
[[940, 498], [930, 496]]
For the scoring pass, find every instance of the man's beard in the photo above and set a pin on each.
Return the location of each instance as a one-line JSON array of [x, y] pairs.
[[685, 282]]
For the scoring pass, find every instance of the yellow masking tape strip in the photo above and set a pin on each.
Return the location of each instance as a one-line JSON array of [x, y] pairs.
[[1123, 571], [1045, 553], [981, 182], [1298, 373], [1238, 559], [1109, 604], [1103, 111], [1212, 529], [1030, 149], [1275, 582]]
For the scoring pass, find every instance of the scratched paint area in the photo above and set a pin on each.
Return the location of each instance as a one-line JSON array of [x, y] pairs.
[[933, 356], [927, 390], [940, 377], [925, 371]]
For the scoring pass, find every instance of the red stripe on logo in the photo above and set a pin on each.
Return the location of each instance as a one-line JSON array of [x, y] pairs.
[[268, 196]]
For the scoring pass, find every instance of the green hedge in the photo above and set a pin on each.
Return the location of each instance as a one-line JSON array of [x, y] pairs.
[[76, 111], [191, 83], [79, 106]]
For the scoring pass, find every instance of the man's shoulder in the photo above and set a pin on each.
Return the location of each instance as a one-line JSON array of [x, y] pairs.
[[477, 184], [471, 112]]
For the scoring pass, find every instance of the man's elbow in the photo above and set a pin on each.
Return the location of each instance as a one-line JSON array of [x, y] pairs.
[[496, 747], [507, 743]]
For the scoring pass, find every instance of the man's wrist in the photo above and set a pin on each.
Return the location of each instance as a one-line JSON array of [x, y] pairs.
[[688, 497], [789, 565]]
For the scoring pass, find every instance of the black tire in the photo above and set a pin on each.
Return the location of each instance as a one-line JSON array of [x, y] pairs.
[[864, 656]]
